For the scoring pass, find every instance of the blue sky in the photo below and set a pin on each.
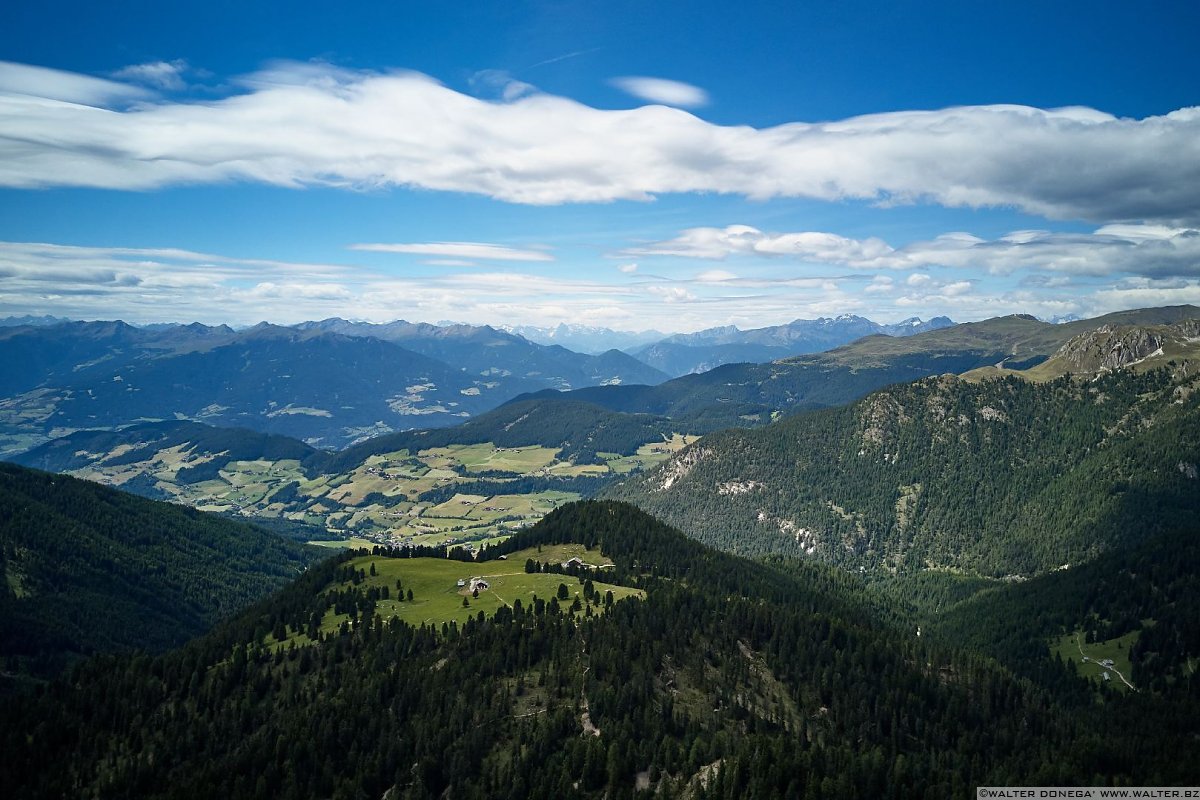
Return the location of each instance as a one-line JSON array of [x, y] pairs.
[[632, 165]]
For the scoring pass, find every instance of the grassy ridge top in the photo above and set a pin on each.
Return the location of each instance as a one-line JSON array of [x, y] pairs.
[[1020, 336]]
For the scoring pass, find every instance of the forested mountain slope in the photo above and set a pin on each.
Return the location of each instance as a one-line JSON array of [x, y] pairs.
[[997, 476], [728, 679], [89, 569], [1145, 597]]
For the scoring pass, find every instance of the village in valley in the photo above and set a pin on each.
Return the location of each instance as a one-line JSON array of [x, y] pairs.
[[423, 498]]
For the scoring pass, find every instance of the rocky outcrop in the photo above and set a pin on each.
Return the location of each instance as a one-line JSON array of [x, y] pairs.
[[679, 467], [1110, 348]]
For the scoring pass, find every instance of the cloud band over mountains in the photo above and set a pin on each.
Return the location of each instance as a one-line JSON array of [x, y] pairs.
[[1150, 250], [302, 125]]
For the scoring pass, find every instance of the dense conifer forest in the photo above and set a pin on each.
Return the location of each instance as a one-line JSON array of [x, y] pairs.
[[90, 569], [997, 477], [730, 679]]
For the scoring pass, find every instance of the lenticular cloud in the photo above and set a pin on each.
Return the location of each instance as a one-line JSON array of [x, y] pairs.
[[302, 125]]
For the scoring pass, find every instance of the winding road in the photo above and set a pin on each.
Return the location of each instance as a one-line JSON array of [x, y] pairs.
[[1094, 661]]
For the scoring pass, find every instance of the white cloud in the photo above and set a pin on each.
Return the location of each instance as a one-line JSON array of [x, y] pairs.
[[1139, 249], [166, 284], [464, 250], [719, 243], [715, 276], [671, 294], [1045, 281], [661, 90], [309, 124], [167, 75], [880, 284], [41, 84], [628, 269], [1135, 294]]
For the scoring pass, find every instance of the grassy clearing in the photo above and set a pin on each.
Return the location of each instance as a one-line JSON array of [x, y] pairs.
[[14, 581], [486, 456], [19, 442], [568, 470], [648, 454], [342, 544], [438, 598], [1068, 648], [560, 553]]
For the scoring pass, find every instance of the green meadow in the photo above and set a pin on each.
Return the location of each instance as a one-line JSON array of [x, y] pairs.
[[438, 598], [1068, 648]]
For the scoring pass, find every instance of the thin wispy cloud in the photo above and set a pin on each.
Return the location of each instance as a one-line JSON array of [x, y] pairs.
[[298, 125], [496, 83], [35, 85], [661, 90], [1153, 250], [716, 276], [463, 250], [565, 57], [166, 284], [166, 75], [156, 285]]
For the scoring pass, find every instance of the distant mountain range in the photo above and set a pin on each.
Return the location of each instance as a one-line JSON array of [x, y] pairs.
[[330, 383], [46, 319], [741, 395], [335, 382], [492, 353], [686, 353], [586, 338], [549, 443], [683, 353]]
